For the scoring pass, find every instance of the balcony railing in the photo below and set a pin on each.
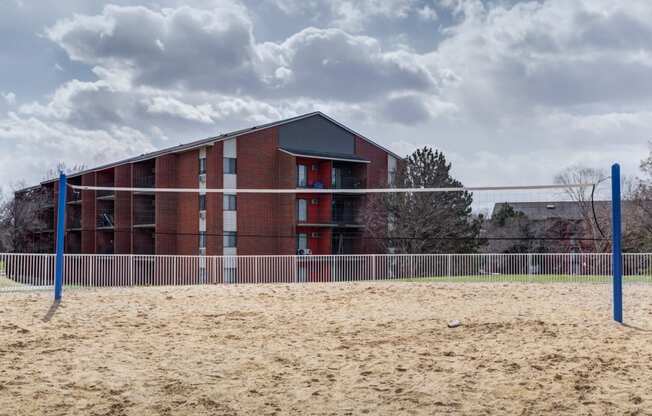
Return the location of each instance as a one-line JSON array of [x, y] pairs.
[[145, 181], [144, 216], [105, 193], [339, 216], [346, 216], [74, 196], [348, 182]]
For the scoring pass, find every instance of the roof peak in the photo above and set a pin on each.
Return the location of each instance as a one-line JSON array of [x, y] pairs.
[[212, 139]]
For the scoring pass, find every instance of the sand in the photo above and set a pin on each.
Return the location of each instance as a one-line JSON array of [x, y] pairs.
[[368, 348]]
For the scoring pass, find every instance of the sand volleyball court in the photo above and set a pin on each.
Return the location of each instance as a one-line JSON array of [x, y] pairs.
[[327, 349]]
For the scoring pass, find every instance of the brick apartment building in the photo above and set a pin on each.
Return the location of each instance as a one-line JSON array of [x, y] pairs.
[[307, 151]]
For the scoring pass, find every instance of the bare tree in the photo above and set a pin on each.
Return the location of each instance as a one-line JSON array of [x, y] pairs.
[[439, 222], [637, 210], [596, 220], [22, 219], [62, 167], [26, 214]]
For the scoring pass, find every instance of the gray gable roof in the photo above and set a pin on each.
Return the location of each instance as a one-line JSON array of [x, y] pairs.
[[211, 140], [566, 210]]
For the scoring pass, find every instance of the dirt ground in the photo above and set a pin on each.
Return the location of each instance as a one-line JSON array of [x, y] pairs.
[[368, 348]]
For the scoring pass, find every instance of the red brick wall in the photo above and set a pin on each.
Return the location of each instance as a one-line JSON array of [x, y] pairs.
[[377, 169], [376, 178], [166, 205], [187, 228], [123, 201], [142, 240], [286, 212], [214, 217], [88, 215], [257, 213]]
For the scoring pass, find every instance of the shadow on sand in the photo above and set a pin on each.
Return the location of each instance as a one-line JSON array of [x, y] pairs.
[[637, 328], [51, 311]]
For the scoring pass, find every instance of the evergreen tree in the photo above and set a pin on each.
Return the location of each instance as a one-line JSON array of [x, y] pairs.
[[430, 222]]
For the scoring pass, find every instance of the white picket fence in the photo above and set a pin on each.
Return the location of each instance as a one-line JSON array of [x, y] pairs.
[[36, 271]]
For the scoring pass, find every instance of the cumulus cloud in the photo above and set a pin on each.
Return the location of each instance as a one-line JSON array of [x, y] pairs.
[[330, 63], [9, 97], [215, 50], [354, 15], [179, 47], [550, 54], [414, 108], [427, 13], [32, 146]]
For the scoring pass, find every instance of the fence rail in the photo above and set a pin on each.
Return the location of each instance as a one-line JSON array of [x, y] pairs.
[[36, 271]]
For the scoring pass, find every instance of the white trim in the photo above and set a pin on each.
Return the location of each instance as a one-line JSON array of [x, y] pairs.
[[339, 159]]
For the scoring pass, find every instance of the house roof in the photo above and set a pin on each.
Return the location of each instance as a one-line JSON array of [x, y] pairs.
[[566, 210], [211, 140]]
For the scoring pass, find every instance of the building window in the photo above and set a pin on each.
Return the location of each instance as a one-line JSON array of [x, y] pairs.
[[230, 165], [302, 210], [302, 176], [230, 239], [302, 241], [202, 239], [229, 203], [202, 202], [202, 165]]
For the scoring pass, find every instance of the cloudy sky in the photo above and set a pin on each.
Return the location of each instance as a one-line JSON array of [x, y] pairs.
[[512, 91]]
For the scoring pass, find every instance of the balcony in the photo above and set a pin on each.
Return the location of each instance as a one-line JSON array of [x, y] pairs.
[[105, 219], [144, 181], [74, 223], [340, 218], [346, 216], [74, 196], [348, 182], [145, 217]]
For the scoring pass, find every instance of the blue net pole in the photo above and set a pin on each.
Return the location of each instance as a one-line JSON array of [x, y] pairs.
[[616, 224], [61, 229]]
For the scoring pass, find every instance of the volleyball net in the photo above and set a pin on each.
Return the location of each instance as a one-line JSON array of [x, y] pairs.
[[336, 221]]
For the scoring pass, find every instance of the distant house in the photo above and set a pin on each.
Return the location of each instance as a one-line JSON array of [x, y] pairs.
[[553, 226]]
